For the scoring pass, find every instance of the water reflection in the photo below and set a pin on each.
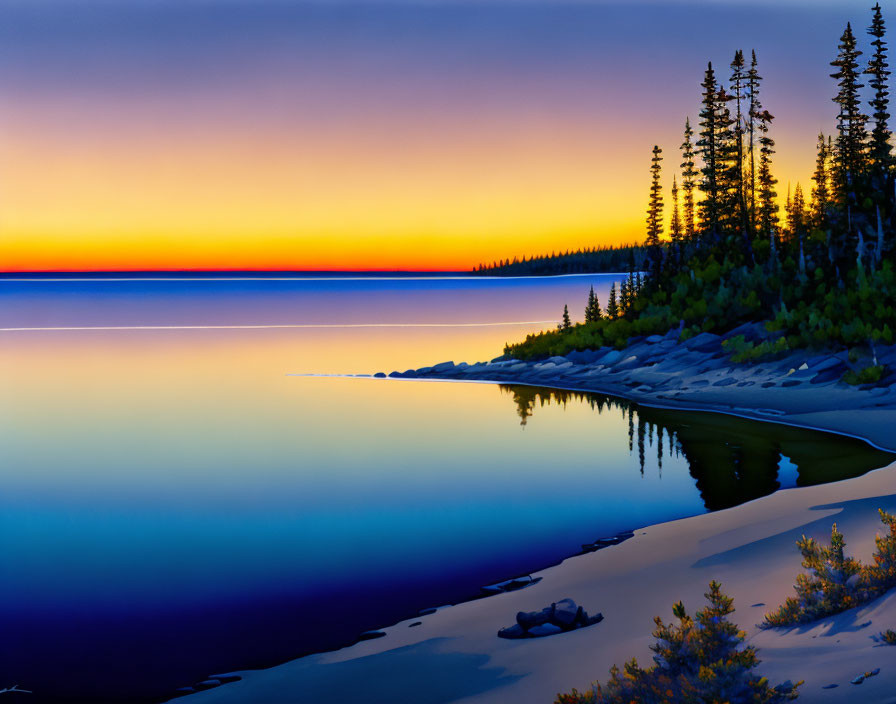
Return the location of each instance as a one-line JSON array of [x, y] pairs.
[[732, 460]]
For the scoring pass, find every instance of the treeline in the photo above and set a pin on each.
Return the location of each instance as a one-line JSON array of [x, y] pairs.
[[819, 273], [582, 261]]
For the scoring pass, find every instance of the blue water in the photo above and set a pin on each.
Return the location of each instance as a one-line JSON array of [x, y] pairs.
[[176, 504]]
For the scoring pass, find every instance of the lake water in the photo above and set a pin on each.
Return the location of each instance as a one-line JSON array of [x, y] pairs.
[[176, 503]]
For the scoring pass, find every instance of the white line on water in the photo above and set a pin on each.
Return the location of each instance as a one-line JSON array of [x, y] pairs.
[[299, 278], [73, 328]]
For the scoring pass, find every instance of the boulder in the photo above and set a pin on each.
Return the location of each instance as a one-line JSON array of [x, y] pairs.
[[528, 619], [443, 367], [370, 635], [704, 342], [514, 631], [565, 612], [654, 339], [545, 629], [611, 357], [379, 375]]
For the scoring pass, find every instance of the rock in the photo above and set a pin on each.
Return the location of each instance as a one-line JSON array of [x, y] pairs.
[[545, 629], [424, 370], [224, 679], [564, 612], [514, 631], [443, 367], [528, 619], [654, 339], [873, 673], [502, 358], [704, 342], [857, 680], [379, 375], [728, 381], [791, 382], [395, 375], [207, 684], [371, 635], [853, 581], [432, 610], [831, 686], [557, 360], [583, 357], [611, 357], [415, 623]]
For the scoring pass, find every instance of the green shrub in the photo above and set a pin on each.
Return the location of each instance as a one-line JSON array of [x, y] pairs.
[[836, 583], [868, 375], [699, 659], [827, 589], [889, 637]]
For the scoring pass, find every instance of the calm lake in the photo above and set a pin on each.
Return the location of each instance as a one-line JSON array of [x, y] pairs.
[[177, 502]]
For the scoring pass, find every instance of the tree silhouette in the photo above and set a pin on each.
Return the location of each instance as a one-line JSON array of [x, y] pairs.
[[878, 68]]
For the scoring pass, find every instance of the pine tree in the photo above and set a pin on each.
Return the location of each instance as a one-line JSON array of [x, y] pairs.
[[612, 305], [565, 323], [753, 111], [767, 213], [878, 69], [624, 297], [707, 147], [592, 310], [728, 186], [698, 659], [850, 152], [826, 589], [820, 192], [655, 206], [675, 229], [688, 179], [738, 81], [796, 214]]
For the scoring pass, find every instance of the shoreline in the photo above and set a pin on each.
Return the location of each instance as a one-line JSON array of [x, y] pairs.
[[750, 548], [802, 389]]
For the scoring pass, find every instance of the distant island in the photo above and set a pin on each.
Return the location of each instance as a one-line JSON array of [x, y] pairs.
[[590, 260]]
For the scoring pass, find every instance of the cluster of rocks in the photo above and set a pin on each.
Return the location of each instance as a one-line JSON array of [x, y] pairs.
[[602, 543], [510, 585], [665, 367], [858, 679], [560, 617]]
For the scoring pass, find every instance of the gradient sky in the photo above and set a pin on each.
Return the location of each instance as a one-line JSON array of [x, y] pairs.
[[266, 134]]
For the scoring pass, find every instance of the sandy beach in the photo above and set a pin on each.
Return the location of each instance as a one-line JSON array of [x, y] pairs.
[[454, 654]]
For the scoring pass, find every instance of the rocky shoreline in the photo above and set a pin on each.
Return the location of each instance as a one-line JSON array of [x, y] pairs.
[[798, 388]]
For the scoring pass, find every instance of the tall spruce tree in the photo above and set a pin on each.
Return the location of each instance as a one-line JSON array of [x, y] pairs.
[[688, 180], [565, 323], [767, 212], [727, 159], [820, 189], [655, 205], [612, 305], [738, 95], [753, 109], [879, 147], [675, 228], [592, 309], [707, 146], [849, 155]]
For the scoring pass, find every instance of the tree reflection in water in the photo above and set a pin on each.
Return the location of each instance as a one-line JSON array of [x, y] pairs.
[[732, 460]]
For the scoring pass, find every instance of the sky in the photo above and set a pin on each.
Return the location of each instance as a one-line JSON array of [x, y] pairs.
[[412, 134]]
